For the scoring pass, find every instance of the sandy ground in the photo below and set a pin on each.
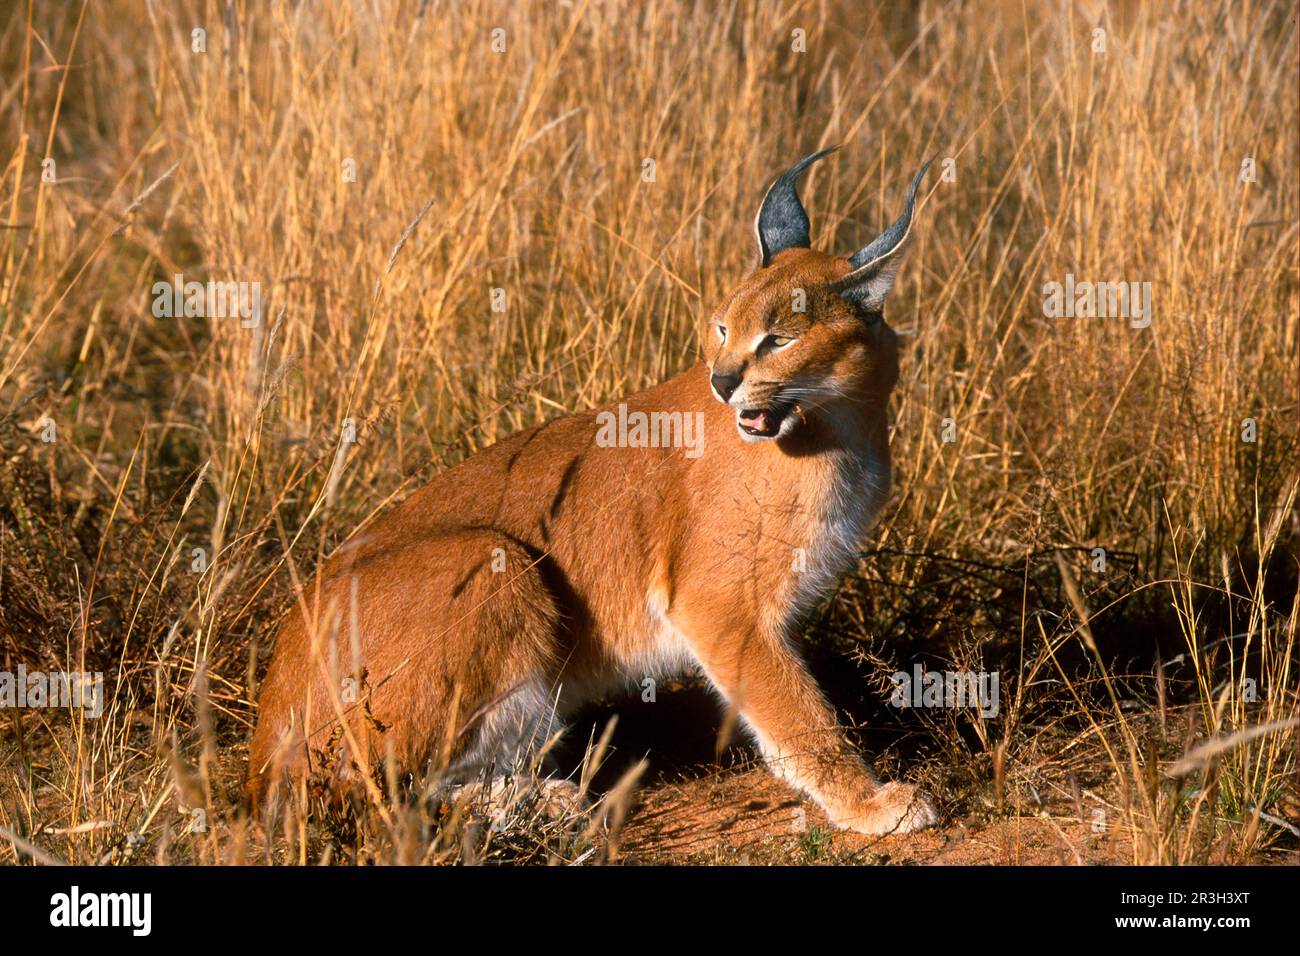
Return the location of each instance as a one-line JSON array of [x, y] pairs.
[[749, 816]]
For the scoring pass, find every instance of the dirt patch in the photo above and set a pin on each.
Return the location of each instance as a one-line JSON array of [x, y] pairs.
[[749, 817]]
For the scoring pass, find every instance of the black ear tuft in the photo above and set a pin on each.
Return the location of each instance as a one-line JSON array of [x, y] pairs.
[[876, 264], [782, 222]]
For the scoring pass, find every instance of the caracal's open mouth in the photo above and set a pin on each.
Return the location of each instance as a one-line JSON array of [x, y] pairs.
[[762, 422]]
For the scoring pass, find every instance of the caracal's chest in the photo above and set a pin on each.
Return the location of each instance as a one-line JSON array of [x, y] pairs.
[[776, 542], [834, 507]]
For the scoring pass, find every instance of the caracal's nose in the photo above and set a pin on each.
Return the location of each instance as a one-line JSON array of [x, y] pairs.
[[724, 384]]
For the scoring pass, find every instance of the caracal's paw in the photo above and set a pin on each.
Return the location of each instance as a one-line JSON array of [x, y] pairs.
[[561, 800], [894, 808], [510, 800]]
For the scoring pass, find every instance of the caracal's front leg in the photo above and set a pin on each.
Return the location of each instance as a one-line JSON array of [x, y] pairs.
[[799, 736]]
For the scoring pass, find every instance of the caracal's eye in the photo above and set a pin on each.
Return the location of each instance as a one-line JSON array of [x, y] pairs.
[[779, 341], [722, 333]]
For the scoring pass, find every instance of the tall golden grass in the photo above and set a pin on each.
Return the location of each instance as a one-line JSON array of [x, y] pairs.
[[525, 171]]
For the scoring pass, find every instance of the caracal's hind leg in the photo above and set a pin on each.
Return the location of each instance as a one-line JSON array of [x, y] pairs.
[[441, 680]]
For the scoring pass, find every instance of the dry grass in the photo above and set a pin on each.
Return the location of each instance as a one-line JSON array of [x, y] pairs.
[[522, 171]]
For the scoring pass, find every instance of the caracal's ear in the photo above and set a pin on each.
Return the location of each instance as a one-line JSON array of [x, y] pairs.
[[876, 264], [781, 222]]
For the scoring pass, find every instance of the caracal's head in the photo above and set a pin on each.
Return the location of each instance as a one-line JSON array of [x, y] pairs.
[[805, 332]]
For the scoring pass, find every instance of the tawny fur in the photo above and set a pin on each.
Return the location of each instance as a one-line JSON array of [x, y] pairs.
[[619, 563]]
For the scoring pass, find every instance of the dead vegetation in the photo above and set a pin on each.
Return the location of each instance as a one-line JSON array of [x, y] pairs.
[[197, 471]]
